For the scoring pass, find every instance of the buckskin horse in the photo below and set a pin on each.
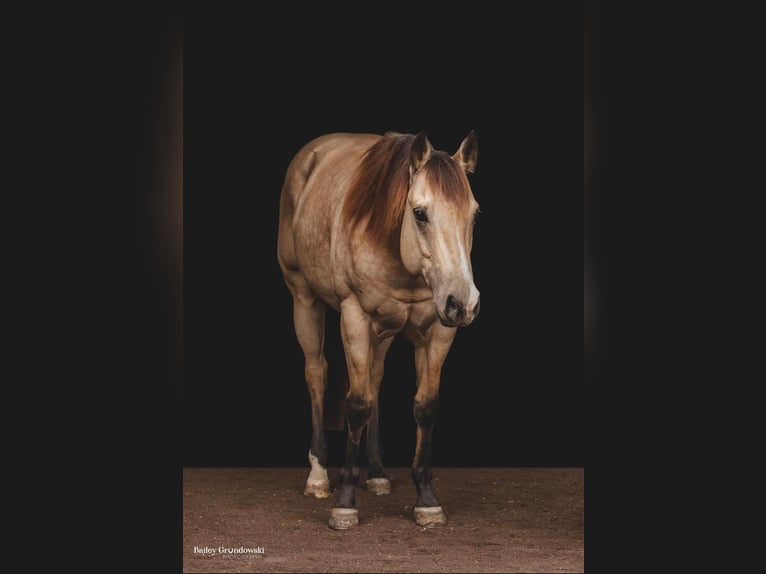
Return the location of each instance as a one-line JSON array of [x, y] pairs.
[[380, 228]]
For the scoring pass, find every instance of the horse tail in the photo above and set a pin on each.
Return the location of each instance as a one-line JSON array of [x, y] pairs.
[[335, 398]]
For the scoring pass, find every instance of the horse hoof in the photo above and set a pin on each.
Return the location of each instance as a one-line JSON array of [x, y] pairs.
[[343, 518], [428, 516], [320, 489], [379, 485]]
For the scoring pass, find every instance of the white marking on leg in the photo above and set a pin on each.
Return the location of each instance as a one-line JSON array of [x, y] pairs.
[[318, 475]]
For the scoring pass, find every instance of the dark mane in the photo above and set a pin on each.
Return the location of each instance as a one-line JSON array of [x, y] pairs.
[[379, 188]]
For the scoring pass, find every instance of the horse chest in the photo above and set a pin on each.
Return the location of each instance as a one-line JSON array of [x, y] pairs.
[[393, 316], [389, 317]]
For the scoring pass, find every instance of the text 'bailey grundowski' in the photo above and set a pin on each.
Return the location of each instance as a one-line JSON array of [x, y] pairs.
[[208, 551]]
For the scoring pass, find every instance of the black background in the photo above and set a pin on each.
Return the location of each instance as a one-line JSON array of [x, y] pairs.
[[118, 426], [255, 90]]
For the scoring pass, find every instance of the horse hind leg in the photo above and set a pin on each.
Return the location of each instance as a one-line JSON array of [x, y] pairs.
[[317, 483], [309, 319]]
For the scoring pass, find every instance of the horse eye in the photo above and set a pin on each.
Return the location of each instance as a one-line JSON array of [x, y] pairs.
[[420, 214]]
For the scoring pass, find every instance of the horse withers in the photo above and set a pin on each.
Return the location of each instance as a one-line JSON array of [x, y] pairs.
[[379, 228]]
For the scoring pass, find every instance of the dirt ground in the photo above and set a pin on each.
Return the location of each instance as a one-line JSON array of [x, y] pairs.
[[499, 520]]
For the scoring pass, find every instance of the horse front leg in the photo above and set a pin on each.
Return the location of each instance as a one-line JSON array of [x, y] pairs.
[[357, 336], [429, 358], [377, 481]]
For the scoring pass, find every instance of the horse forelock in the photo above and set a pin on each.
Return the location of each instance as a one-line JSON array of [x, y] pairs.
[[378, 193], [447, 178]]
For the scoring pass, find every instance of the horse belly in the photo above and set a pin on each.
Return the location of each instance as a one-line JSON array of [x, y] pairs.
[[313, 249], [315, 268]]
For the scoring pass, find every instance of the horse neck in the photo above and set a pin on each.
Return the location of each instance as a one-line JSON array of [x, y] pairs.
[[381, 264]]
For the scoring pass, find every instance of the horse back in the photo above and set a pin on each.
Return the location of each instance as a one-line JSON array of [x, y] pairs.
[[313, 193]]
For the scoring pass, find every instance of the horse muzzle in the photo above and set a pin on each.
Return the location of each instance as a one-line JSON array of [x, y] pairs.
[[457, 314]]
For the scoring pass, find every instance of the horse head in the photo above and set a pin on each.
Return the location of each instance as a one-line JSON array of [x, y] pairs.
[[437, 227]]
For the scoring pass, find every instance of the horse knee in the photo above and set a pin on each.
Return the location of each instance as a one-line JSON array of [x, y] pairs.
[[358, 409], [315, 371], [425, 411]]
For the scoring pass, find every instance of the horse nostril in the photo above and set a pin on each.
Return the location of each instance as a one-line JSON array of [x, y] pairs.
[[476, 308], [453, 308]]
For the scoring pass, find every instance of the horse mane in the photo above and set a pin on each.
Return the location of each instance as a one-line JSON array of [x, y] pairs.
[[378, 193]]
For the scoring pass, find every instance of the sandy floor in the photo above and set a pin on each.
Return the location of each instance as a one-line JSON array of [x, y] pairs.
[[500, 520]]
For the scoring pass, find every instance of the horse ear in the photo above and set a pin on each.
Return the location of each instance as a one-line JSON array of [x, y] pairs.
[[467, 153], [421, 151]]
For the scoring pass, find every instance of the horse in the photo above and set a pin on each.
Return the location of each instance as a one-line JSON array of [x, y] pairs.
[[379, 228]]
